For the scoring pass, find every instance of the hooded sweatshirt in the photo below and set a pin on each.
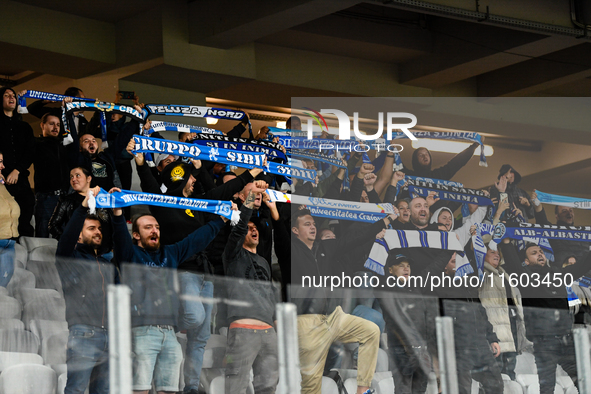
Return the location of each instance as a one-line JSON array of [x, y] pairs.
[[445, 172]]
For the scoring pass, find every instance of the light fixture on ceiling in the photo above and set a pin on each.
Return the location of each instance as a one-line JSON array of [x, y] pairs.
[[281, 124], [449, 146], [211, 120]]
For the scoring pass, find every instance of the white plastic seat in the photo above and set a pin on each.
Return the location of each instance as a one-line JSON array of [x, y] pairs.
[[511, 387], [525, 364], [46, 275], [329, 386], [18, 341], [10, 308], [21, 256], [215, 350], [43, 253], [46, 328], [11, 324], [530, 384], [26, 295], [61, 383], [31, 243], [217, 386], [28, 379], [54, 348], [382, 364], [44, 309], [59, 368], [386, 386], [20, 279], [3, 291], [8, 359], [351, 385]]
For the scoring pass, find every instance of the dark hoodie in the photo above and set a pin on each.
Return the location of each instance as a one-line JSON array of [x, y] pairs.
[[445, 172]]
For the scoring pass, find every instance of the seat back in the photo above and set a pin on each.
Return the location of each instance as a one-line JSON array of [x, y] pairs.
[[20, 279], [18, 341], [31, 243], [44, 309], [43, 253], [11, 324], [28, 379], [46, 275], [54, 348], [10, 308], [8, 359]]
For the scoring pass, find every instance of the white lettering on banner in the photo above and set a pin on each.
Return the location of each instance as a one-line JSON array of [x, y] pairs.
[[156, 144], [224, 113], [253, 160]]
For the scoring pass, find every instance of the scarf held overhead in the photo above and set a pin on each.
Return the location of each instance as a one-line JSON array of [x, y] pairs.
[[127, 198], [555, 199], [336, 209], [397, 239], [448, 192], [271, 149]]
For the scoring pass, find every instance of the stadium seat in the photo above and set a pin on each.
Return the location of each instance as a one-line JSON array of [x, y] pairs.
[[44, 309], [46, 328], [61, 383], [20, 256], [46, 275], [8, 359], [526, 364], [329, 386], [215, 351], [3, 291], [20, 279], [385, 386], [25, 295], [511, 387], [10, 308], [217, 386], [43, 253], [530, 384], [28, 379], [350, 385], [382, 364], [31, 243], [18, 341], [54, 348], [11, 324], [59, 368]]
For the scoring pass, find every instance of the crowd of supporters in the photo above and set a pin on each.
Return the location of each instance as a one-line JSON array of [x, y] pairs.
[[493, 322]]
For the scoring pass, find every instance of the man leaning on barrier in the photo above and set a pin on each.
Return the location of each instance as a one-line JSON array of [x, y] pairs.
[[84, 283]]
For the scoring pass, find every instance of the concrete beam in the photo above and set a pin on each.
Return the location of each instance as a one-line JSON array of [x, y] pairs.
[[226, 24]]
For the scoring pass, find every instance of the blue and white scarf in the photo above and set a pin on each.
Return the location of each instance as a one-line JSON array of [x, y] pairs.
[[448, 135], [271, 149], [336, 209], [449, 193], [100, 106], [333, 161], [396, 239], [555, 199], [127, 198], [179, 128], [224, 156], [35, 94], [530, 230], [195, 111]]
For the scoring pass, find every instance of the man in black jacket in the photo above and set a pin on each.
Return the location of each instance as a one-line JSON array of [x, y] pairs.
[[252, 340], [17, 143], [548, 322], [85, 274], [51, 173]]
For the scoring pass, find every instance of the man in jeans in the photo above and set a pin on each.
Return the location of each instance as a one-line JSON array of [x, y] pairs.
[[252, 340], [155, 306], [84, 282]]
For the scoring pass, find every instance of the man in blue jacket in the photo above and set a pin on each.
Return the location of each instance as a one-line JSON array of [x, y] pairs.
[[85, 273], [155, 305]]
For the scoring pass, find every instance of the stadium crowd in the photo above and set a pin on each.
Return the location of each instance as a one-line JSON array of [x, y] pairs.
[[493, 322]]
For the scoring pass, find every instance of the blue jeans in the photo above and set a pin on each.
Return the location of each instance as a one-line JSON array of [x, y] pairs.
[[196, 319], [88, 360], [6, 261], [45, 204]]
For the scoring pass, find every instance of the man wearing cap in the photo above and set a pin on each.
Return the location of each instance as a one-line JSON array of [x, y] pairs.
[[409, 326], [518, 198]]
